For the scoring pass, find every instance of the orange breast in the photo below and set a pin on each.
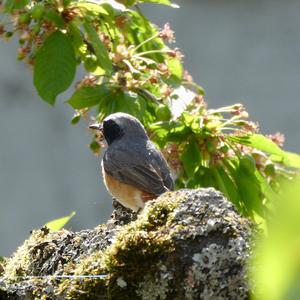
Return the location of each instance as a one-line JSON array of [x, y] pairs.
[[127, 195]]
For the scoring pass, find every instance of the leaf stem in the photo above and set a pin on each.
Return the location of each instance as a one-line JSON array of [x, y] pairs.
[[145, 42], [151, 52]]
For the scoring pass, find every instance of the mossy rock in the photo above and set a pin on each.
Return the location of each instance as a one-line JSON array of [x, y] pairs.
[[188, 244]]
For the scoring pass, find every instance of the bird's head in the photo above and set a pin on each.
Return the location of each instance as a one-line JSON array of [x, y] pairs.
[[117, 125]]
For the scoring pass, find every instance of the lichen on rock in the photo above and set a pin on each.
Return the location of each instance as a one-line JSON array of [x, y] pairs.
[[188, 244]]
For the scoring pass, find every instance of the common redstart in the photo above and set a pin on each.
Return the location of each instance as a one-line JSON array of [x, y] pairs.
[[134, 170]]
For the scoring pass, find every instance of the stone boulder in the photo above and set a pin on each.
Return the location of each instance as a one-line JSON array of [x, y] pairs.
[[187, 244]]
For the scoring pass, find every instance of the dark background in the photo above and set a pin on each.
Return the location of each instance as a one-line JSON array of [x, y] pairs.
[[238, 50]]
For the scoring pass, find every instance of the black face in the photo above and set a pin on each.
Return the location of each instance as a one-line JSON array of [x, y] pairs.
[[111, 131]]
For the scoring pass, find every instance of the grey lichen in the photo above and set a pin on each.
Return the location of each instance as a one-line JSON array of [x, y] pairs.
[[153, 287], [189, 244]]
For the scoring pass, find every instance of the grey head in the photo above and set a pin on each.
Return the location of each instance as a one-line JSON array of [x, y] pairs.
[[120, 124]]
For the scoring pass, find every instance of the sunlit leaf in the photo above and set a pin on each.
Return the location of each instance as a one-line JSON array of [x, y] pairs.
[[76, 37], [54, 67], [276, 267], [262, 143], [89, 96], [100, 50], [92, 8], [289, 159], [176, 69], [259, 142], [130, 103], [59, 223]]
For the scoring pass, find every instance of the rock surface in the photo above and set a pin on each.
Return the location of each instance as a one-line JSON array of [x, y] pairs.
[[188, 244]]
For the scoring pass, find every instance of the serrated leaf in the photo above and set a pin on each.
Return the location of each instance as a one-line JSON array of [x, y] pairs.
[[88, 96], [191, 158], [59, 223], [11, 5], [54, 67], [100, 50]]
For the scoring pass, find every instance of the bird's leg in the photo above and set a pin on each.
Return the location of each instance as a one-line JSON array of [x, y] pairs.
[[139, 210]]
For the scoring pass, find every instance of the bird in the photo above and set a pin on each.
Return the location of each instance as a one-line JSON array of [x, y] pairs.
[[134, 170]]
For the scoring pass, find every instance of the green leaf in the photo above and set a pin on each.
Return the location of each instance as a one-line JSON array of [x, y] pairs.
[[130, 103], [11, 5], [248, 164], [92, 8], [259, 142], [164, 2], [203, 178], [54, 17], [139, 30], [58, 224], [89, 96], [276, 272], [100, 50], [191, 158], [55, 66], [249, 189], [147, 95], [197, 88], [226, 185], [265, 186], [80, 48], [262, 143], [289, 159], [75, 119], [161, 131], [119, 101], [170, 131], [176, 69], [95, 147]]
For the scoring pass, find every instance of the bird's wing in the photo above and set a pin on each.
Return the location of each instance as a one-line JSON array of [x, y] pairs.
[[135, 167], [160, 165]]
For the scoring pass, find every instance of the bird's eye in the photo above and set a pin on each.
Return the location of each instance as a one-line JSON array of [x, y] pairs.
[[111, 131]]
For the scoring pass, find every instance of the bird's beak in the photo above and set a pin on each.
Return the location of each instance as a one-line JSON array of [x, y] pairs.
[[97, 126]]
